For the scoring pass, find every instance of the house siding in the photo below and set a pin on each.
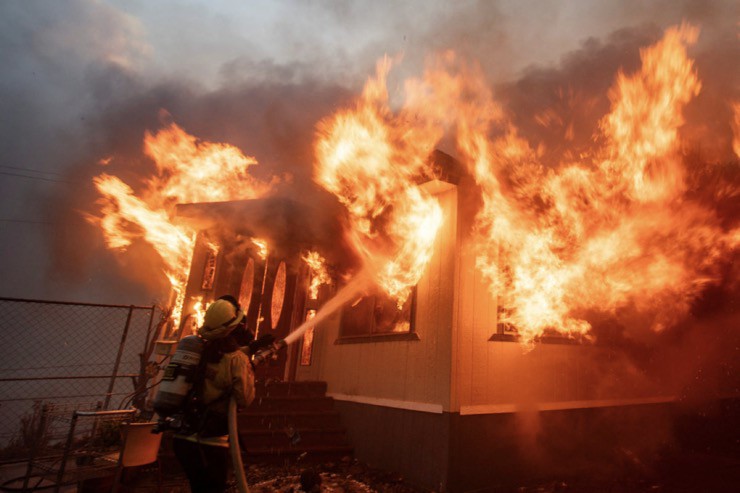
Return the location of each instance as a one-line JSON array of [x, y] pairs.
[[416, 371], [455, 411]]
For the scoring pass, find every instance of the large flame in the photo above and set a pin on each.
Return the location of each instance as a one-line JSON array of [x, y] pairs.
[[613, 230], [372, 161], [188, 170]]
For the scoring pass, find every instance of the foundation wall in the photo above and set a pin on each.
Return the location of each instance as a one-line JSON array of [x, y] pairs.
[[413, 444], [454, 453]]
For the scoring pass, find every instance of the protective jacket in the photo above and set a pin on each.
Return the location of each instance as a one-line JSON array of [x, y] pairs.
[[231, 376]]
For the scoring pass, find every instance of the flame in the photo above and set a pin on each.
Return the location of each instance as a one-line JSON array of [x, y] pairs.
[[736, 128], [125, 217], [611, 231], [646, 115], [188, 170], [199, 311], [318, 273], [372, 161], [261, 245]]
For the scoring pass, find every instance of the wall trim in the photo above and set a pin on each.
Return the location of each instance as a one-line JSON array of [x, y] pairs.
[[387, 337], [424, 407], [563, 405]]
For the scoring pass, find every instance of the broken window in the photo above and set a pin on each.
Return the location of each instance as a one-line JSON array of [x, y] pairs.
[[378, 314]]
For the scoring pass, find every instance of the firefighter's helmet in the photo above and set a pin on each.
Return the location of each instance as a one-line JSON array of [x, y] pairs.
[[220, 319]]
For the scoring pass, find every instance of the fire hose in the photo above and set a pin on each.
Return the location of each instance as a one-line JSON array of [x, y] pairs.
[[343, 296], [236, 455]]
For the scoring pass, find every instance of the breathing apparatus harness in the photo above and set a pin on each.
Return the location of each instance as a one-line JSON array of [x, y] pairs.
[[179, 400]]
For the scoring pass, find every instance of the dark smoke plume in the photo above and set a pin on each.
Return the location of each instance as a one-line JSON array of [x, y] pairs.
[[271, 122]]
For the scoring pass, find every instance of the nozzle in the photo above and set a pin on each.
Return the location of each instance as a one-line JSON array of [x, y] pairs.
[[268, 352], [168, 423]]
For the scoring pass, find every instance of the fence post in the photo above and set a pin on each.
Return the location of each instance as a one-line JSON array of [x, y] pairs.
[[36, 446], [114, 375], [149, 329], [65, 455]]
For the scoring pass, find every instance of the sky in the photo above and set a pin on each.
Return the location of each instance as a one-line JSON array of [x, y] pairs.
[[83, 78]]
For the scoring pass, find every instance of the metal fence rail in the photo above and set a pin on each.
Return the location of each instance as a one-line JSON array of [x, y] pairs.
[[64, 353]]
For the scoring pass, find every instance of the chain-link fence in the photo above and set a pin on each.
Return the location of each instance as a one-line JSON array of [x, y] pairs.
[[70, 354]]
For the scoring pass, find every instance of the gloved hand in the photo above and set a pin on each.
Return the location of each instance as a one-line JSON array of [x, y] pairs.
[[261, 343]]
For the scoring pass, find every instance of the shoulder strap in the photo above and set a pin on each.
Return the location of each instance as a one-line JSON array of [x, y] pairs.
[[199, 375]]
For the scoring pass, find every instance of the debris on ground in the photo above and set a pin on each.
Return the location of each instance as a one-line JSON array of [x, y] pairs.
[[346, 476]]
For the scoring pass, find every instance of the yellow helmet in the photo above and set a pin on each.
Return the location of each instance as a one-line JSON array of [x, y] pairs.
[[220, 319]]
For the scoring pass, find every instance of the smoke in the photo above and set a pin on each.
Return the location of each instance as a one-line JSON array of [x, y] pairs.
[[272, 122], [84, 82], [558, 108]]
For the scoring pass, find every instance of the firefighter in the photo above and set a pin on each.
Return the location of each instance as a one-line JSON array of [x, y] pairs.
[[202, 448]]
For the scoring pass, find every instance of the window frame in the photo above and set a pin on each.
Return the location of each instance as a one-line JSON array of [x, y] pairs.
[[410, 335], [506, 332]]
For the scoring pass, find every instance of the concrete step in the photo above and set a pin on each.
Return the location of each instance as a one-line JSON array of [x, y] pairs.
[[297, 389], [271, 420], [281, 455], [291, 437], [290, 422], [290, 403]]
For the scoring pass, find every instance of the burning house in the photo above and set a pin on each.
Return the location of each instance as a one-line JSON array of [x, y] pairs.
[[440, 389], [482, 324]]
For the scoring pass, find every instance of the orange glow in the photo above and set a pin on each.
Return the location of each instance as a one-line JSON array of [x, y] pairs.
[[261, 245], [646, 115], [188, 170], [610, 232], [611, 229], [199, 311], [372, 161], [317, 273], [191, 171], [736, 129]]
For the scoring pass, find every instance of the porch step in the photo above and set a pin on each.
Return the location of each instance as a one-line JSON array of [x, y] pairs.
[[294, 389], [292, 421], [292, 437], [290, 403], [261, 420], [277, 455]]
